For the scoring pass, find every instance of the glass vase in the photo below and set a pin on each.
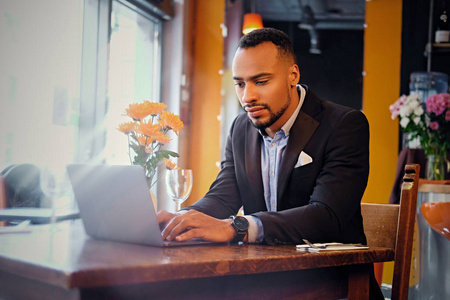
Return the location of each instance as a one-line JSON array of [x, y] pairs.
[[409, 142], [436, 165]]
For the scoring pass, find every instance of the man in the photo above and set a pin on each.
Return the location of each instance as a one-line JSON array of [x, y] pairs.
[[297, 164]]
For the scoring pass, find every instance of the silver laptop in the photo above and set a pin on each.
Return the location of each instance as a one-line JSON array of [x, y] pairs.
[[115, 204]]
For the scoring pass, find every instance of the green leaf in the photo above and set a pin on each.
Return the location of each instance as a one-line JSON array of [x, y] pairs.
[[135, 147], [133, 135], [167, 153]]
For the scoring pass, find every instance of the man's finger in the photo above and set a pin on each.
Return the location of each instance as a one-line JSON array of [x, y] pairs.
[[189, 234], [183, 225], [164, 216], [168, 232]]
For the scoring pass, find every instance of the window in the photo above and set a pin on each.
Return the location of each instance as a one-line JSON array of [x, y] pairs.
[[40, 80], [133, 73], [67, 71]]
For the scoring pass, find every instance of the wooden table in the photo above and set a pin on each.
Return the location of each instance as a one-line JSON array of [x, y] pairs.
[[65, 264]]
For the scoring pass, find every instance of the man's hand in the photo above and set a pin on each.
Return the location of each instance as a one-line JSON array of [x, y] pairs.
[[164, 217], [194, 224]]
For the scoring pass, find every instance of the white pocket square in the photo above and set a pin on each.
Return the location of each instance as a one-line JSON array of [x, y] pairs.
[[303, 159]]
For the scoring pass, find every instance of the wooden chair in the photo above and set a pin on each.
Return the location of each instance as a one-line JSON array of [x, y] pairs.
[[392, 226]]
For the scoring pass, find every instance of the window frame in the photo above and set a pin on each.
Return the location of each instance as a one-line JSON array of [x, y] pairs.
[[93, 83]]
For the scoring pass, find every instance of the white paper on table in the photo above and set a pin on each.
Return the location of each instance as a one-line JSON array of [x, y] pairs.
[[19, 228]]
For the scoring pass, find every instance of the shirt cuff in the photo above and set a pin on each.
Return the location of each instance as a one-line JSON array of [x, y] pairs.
[[255, 230]]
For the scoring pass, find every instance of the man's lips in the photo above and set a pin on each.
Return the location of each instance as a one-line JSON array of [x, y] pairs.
[[255, 111]]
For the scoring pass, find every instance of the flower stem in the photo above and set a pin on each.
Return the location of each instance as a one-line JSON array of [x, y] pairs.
[[129, 149], [436, 162], [152, 184]]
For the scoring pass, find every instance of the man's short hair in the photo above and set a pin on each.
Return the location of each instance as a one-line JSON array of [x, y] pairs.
[[277, 37]]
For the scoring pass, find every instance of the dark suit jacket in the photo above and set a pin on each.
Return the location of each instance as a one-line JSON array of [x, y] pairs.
[[319, 201]]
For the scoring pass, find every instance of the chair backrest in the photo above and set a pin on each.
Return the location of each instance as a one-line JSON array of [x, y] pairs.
[[22, 185], [2, 197], [392, 226]]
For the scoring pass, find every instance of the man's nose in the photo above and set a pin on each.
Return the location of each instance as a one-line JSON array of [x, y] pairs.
[[249, 94]]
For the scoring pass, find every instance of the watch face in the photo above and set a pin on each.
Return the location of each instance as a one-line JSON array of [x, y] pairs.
[[241, 223]]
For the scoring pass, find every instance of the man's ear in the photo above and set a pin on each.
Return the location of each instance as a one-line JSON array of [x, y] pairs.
[[294, 75]]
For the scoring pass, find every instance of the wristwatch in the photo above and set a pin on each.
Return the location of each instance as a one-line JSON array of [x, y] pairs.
[[240, 224]]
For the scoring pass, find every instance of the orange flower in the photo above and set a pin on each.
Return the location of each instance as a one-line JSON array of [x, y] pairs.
[[170, 165], [143, 140], [137, 111], [127, 127], [154, 108], [148, 149], [149, 138], [162, 139], [149, 129], [170, 121]]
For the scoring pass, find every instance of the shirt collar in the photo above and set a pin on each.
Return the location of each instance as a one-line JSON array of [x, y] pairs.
[[288, 125]]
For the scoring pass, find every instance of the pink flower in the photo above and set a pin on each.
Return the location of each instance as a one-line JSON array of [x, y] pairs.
[[438, 103], [395, 111], [395, 108], [402, 100], [434, 125]]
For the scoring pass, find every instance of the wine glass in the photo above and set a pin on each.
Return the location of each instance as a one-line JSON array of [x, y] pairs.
[[50, 183], [179, 185]]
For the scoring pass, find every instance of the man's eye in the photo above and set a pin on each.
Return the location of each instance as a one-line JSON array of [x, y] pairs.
[[261, 82], [239, 84]]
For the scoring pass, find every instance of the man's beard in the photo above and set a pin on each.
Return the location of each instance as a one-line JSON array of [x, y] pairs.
[[273, 116]]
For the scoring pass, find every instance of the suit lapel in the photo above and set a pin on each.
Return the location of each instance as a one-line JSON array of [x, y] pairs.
[[301, 132], [253, 162]]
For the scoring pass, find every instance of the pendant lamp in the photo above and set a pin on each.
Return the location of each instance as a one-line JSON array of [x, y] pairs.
[[252, 21]]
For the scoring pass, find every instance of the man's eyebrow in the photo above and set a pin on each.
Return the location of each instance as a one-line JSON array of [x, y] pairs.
[[254, 77]]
